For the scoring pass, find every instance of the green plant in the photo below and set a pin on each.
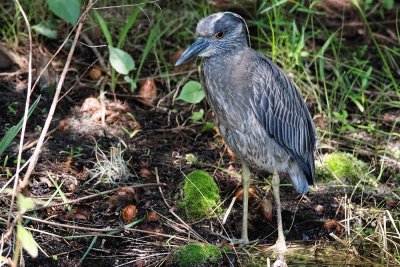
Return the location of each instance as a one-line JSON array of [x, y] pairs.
[[121, 61], [73, 152], [343, 121], [197, 254], [344, 166], [11, 108], [136, 130], [197, 115], [192, 92], [58, 191], [201, 195], [67, 10], [24, 238]]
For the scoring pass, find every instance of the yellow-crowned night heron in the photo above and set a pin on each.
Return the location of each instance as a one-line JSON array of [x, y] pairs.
[[261, 115]]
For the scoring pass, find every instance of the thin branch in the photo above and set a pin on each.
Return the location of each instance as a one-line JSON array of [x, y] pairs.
[[25, 119], [170, 209], [158, 185], [49, 119]]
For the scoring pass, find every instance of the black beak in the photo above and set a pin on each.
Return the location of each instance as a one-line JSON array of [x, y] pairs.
[[193, 51]]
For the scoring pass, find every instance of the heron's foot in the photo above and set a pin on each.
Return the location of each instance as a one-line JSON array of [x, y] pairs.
[[279, 263], [280, 249]]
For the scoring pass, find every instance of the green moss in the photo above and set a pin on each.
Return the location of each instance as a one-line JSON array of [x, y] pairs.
[[197, 254], [201, 195], [344, 166]]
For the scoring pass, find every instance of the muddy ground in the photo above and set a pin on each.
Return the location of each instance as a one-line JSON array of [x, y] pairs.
[[161, 144]]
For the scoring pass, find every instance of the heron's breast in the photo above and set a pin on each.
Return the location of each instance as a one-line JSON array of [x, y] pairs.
[[250, 142]]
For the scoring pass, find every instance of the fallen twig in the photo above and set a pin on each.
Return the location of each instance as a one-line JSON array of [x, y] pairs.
[[174, 214]]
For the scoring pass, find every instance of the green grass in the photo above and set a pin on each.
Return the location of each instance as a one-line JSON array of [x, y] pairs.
[[197, 254], [338, 79]]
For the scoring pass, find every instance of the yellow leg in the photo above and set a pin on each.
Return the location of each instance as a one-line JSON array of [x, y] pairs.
[[280, 245], [246, 185]]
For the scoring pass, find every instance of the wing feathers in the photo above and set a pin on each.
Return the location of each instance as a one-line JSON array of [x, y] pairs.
[[284, 115]]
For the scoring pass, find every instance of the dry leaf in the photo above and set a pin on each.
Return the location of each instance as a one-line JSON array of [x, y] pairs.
[[77, 214], [391, 116], [129, 213], [391, 203], [90, 104], [337, 7], [123, 197], [333, 226], [320, 121], [63, 125], [145, 173], [147, 92], [252, 194], [134, 125], [152, 217]]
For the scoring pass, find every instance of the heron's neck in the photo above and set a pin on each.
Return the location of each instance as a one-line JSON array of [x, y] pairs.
[[226, 56]]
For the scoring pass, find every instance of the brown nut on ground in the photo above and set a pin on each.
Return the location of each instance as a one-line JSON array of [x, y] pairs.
[[266, 209], [129, 213], [252, 194], [95, 73]]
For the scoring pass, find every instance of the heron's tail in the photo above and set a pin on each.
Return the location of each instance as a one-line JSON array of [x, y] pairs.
[[298, 178]]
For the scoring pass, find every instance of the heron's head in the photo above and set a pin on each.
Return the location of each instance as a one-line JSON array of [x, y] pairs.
[[217, 34]]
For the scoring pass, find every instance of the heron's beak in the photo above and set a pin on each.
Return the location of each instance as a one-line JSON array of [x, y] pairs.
[[199, 46]]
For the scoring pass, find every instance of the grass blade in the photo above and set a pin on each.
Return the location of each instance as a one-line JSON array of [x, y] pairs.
[[104, 28], [128, 25], [13, 131]]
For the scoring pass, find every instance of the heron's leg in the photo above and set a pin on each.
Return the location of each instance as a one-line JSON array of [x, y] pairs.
[[280, 245], [246, 185]]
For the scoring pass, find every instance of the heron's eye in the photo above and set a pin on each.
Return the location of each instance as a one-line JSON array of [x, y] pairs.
[[219, 35]]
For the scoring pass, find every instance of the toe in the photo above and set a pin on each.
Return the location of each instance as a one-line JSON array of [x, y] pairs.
[[279, 263]]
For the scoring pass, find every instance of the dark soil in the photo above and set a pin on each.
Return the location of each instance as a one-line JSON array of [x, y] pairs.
[[159, 145]]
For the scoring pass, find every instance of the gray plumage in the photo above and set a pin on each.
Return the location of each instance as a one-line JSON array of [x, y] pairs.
[[261, 115]]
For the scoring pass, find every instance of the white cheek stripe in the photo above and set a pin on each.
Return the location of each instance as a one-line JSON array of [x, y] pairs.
[[205, 53]]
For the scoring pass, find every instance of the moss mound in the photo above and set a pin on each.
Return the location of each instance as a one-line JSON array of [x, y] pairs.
[[344, 166], [197, 254], [201, 195]]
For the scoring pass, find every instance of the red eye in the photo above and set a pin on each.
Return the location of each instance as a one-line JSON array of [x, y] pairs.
[[219, 35]]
